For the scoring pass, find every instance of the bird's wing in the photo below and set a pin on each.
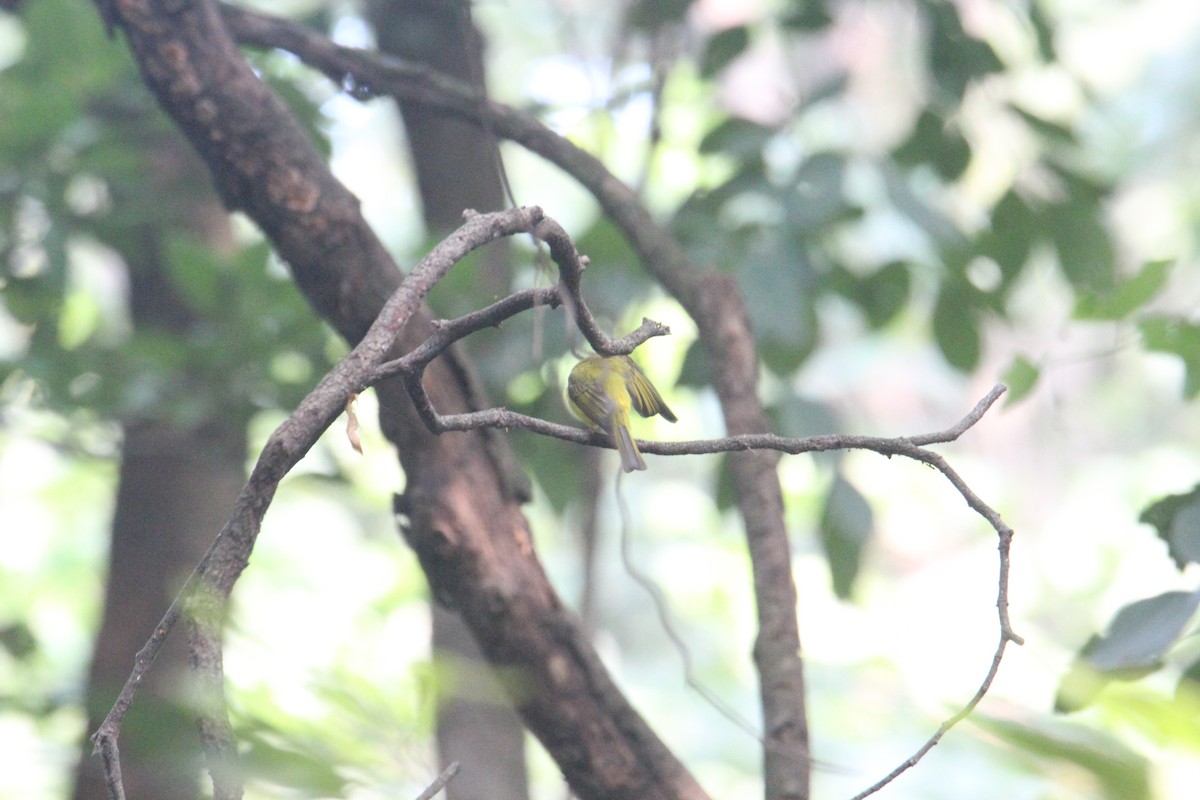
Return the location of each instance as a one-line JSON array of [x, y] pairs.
[[591, 402], [645, 397]]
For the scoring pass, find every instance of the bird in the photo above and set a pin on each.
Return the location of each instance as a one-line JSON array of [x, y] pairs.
[[602, 389]]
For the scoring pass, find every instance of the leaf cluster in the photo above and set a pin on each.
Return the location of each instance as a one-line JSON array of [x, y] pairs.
[[1153, 633], [128, 293]]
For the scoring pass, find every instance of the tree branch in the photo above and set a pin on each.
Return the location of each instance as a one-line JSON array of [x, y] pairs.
[[206, 593], [460, 497], [911, 447], [440, 781], [262, 163], [713, 301], [908, 447]]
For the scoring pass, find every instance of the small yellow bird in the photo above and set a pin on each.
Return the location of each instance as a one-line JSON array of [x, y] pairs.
[[601, 390]]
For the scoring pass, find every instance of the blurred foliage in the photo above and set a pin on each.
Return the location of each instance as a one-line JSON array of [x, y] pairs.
[[1116, 771], [776, 201], [1176, 518], [1146, 635], [845, 527], [1135, 645], [97, 185]]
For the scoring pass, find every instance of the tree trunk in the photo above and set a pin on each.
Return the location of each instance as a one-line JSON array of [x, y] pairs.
[[174, 489], [456, 169], [465, 521]]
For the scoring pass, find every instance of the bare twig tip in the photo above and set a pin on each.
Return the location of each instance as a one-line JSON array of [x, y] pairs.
[[440, 781]]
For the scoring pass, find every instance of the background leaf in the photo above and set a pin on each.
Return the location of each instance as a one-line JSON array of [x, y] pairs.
[[847, 525], [1137, 641], [1177, 520], [1020, 378], [1179, 337]]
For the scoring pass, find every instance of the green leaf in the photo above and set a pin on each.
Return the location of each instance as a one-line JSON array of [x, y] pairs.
[[935, 142], [1020, 378], [613, 279], [726, 490], [1013, 231], [806, 15], [884, 293], [818, 200], [1138, 639], [1082, 186], [736, 136], [846, 526], [798, 417], [914, 205], [1044, 29], [1127, 297], [777, 280], [18, 640], [784, 356], [562, 474], [1084, 249], [281, 766], [1189, 681], [956, 59], [955, 329], [1121, 772], [723, 48], [651, 15], [1177, 520], [198, 272], [1142, 632], [1179, 337]]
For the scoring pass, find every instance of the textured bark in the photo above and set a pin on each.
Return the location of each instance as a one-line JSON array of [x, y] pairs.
[[456, 170], [711, 299], [453, 158], [715, 303], [465, 519]]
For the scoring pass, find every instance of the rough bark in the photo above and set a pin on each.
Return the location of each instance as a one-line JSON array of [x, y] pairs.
[[456, 169], [711, 299], [723, 322], [465, 519], [439, 34]]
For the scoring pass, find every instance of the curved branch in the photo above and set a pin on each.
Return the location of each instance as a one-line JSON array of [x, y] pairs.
[[206, 592], [908, 447], [570, 270], [713, 301], [467, 527], [283, 199]]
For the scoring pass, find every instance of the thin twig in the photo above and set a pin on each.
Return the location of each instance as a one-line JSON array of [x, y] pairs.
[[898, 446], [723, 323], [110, 756], [440, 781], [213, 578], [722, 332], [908, 447], [668, 625]]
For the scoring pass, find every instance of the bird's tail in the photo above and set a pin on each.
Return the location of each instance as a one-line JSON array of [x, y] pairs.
[[631, 457]]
